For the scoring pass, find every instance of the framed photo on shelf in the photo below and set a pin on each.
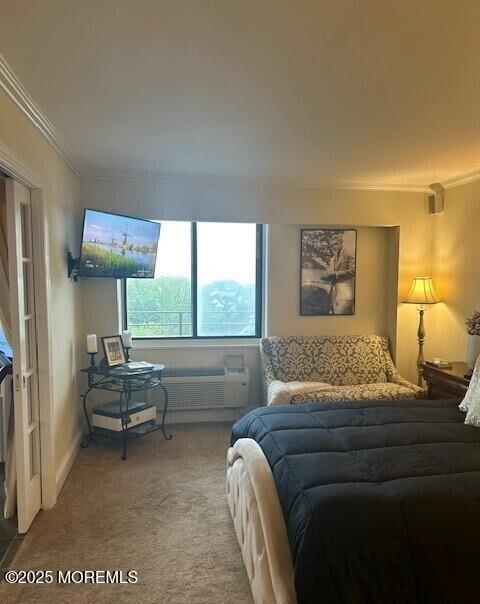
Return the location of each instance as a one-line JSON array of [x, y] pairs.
[[114, 351], [328, 271]]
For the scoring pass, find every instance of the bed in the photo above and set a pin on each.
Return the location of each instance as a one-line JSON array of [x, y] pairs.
[[351, 504]]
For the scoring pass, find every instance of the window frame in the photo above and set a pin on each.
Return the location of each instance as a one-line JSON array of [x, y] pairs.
[[194, 289]]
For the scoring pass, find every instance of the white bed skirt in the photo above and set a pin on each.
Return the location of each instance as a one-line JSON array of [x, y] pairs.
[[259, 524]]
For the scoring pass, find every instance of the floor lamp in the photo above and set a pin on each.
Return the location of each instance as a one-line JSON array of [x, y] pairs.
[[421, 293]]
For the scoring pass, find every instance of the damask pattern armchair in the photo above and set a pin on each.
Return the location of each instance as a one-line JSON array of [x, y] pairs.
[[300, 369]]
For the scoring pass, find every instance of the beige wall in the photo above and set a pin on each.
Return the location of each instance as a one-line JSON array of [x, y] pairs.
[[91, 305], [372, 290], [62, 193], [376, 303], [199, 199], [456, 256]]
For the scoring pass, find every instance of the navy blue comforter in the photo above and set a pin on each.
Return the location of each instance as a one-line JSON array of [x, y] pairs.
[[381, 501]]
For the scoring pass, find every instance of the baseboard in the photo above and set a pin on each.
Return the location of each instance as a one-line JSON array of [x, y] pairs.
[[67, 462]]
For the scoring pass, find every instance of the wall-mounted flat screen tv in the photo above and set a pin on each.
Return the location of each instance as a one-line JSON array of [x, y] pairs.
[[118, 246]]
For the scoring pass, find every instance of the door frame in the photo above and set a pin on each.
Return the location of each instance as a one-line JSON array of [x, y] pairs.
[[15, 168]]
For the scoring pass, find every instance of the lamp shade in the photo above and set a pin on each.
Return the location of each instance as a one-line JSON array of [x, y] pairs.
[[422, 292]]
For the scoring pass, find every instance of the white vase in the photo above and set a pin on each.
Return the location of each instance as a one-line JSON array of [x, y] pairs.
[[473, 350]]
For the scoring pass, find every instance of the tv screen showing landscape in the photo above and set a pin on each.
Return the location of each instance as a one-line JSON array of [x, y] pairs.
[[118, 246]]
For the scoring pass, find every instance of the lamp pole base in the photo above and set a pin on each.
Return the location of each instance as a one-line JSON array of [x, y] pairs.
[[421, 340]]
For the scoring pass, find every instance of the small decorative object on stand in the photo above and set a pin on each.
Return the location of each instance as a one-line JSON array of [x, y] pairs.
[[440, 363], [127, 343], [114, 350], [92, 348], [473, 339]]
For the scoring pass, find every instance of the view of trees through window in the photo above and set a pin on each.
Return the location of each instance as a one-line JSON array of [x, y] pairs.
[[225, 263]]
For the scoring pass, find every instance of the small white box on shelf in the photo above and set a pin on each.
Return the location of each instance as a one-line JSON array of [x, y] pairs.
[[108, 416]]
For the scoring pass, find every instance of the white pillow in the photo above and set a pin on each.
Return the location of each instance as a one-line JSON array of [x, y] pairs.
[[471, 401]]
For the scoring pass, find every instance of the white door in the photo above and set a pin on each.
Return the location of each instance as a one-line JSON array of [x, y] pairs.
[[25, 364]]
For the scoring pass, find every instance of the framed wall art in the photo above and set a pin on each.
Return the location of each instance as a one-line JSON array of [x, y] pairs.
[[328, 271]]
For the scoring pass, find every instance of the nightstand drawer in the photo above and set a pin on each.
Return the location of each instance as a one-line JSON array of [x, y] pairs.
[[446, 383], [446, 390]]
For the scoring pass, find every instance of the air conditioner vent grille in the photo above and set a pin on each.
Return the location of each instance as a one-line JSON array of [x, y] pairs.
[[203, 388], [203, 395]]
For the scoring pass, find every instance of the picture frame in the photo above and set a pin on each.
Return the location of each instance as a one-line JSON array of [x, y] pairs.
[[328, 259], [113, 350]]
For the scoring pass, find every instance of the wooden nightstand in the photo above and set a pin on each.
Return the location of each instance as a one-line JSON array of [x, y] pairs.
[[446, 383]]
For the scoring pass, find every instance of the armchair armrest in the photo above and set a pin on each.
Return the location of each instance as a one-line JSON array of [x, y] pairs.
[[281, 393], [267, 374], [268, 370], [394, 377]]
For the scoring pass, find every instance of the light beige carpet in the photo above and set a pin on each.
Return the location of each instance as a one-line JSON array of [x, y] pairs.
[[163, 513]]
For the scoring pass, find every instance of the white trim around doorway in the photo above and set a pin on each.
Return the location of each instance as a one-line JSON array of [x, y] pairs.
[[14, 167]]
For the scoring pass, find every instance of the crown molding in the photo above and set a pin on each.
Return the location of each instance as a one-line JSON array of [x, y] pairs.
[[395, 188], [247, 181], [19, 95], [463, 179]]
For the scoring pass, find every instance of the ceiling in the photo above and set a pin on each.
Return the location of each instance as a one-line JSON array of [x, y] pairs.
[[308, 93]]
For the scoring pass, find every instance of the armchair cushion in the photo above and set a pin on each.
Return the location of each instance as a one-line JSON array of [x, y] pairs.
[[362, 392], [281, 393]]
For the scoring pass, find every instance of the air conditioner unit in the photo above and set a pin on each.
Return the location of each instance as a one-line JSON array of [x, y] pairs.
[[206, 387]]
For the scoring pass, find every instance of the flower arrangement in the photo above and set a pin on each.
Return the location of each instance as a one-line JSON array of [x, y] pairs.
[[473, 323]]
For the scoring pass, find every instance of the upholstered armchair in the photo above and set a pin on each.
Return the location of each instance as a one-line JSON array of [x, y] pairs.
[[300, 369]]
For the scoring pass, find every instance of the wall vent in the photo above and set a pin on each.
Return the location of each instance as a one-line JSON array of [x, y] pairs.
[[205, 388]]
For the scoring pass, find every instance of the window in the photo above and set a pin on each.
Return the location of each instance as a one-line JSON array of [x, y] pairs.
[[207, 283]]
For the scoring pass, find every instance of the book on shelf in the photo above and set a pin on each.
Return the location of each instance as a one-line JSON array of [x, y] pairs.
[[112, 409]]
